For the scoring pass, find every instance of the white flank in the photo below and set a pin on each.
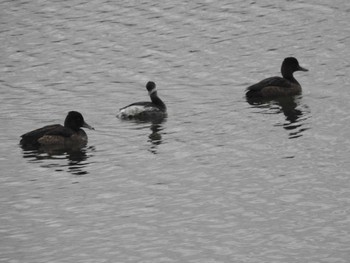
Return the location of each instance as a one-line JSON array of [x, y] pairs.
[[130, 111]]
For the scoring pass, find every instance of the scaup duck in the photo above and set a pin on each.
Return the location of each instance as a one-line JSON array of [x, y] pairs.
[[277, 86], [145, 109], [58, 135]]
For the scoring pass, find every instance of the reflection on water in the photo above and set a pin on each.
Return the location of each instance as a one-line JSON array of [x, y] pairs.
[[156, 125], [155, 138], [292, 108], [75, 159]]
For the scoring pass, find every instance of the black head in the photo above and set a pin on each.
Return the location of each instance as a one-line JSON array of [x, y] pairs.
[[151, 86], [291, 65], [75, 121]]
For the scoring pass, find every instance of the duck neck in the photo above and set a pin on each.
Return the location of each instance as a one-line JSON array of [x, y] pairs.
[[287, 74], [157, 101], [71, 125]]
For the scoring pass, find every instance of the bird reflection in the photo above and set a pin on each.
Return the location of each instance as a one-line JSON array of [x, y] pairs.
[[290, 107], [156, 127], [49, 157], [155, 138]]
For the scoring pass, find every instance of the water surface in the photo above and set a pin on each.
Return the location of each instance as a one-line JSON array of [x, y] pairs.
[[221, 179]]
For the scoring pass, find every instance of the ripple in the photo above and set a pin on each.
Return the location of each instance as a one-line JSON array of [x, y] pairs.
[[222, 179]]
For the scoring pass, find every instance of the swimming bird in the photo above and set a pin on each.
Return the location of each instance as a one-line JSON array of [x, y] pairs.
[[70, 134], [273, 87], [145, 110]]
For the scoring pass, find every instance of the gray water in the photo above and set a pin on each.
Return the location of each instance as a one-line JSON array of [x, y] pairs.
[[221, 180]]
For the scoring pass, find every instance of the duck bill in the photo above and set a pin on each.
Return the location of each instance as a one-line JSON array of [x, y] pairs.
[[85, 125], [303, 69]]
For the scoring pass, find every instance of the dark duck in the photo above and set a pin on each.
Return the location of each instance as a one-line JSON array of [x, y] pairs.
[[274, 87], [70, 134]]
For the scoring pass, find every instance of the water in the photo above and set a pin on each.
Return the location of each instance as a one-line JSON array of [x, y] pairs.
[[221, 180]]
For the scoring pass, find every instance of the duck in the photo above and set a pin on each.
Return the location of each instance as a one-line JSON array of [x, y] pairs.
[[273, 87], [145, 109], [69, 134]]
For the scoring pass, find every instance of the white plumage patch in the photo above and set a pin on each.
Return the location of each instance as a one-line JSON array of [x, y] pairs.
[[131, 111]]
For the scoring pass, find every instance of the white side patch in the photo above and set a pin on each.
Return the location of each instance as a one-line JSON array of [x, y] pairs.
[[130, 111]]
